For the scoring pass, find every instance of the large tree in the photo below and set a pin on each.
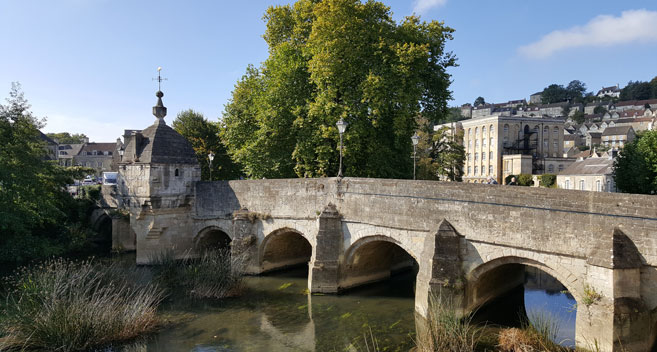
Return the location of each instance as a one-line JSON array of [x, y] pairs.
[[635, 169], [575, 91], [36, 212], [554, 93], [67, 138], [479, 101], [636, 91], [337, 59], [204, 137]]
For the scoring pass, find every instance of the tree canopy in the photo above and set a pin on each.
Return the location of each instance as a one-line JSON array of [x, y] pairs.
[[440, 154], [574, 92], [204, 137], [67, 138], [37, 215], [338, 59], [637, 91], [479, 101], [635, 169]]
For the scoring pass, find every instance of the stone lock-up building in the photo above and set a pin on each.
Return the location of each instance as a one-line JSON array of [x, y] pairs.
[[469, 242]]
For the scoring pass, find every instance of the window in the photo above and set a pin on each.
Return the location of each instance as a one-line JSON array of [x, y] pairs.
[[483, 131], [491, 130], [567, 184], [490, 156], [490, 169], [483, 170], [476, 132], [560, 167], [581, 185], [598, 186], [545, 143], [483, 156], [476, 156], [469, 170], [469, 132], [608, 186], [475, 170], [483, 143], [555, 144], [550, 168], [506, 141], [491, 142], [176, 172], [469, 156], [470, 143], [476, 143], [546, 130], [506, 130]]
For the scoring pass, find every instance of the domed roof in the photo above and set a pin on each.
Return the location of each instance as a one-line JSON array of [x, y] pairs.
[[158, 143]]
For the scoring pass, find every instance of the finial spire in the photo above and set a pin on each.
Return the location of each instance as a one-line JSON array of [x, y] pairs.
[[159, 110]]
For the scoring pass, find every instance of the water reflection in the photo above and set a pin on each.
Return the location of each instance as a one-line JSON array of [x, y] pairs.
[[277, 314]]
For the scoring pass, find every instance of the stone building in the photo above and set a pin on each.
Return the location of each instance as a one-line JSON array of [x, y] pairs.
[[157, 169], [50, 147], [592, 174], [488, 140], [613, 91], [68, 152], [616, 137], [536, 98], [97, 156]]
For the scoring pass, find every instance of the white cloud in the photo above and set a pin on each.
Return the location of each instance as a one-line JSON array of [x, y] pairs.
[[602, 31], [422, 6]]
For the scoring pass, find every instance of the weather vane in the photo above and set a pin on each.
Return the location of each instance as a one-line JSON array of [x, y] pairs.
[[159, 78]]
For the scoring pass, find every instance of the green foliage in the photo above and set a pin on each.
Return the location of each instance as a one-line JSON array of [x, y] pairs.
[[590, 295], [479, 101], [637, 91], [446, 330], [578, 116], [68, 306], [67, 138], [554, 93], [575, 91], [440, 155], [548, 180], [330, 60], [525, 180], [204, 137], [600, 110], [507, 179], [214, 274], [36, 212], [635, 169]]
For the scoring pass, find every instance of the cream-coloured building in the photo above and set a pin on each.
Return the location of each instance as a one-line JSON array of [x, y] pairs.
[[489, 139], [592, 174]]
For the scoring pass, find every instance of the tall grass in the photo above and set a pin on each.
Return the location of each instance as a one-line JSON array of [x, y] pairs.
[[73, 306], [214, 274], [538, 333], [446, 330]]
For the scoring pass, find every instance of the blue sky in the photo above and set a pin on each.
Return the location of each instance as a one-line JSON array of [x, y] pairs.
[[87, 65]]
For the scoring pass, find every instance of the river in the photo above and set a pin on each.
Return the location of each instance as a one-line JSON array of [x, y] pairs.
[[277, 314]]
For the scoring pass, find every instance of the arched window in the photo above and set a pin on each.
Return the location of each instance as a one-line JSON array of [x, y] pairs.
[[546, 130], [476, 170], [483, 142], [560, 167], [469, 170], [550, 168], [581, 185], [176, 173], [476, 143], [608, 186], [556, 131], [598, 186], [476, 132], [491, 130], [491, 142], [506, 130], [470, 143], [483, 156], [490, 156], [490, 169], [476, 156], [483, 131]]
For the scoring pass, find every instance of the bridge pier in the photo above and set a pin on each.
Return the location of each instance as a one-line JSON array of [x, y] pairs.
[[323, 271], [243, 244]]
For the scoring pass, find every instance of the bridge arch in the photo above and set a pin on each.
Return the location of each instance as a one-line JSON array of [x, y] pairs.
[[284, 247], [212, 238], [563, 275], [374, 258]]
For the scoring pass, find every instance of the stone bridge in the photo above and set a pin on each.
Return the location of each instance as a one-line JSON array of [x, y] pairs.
[[467, 242]]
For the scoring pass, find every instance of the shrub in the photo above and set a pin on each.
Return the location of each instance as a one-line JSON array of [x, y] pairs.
[[525, 180], [446, 331], [73, 306], [215, 274], [548, 180]]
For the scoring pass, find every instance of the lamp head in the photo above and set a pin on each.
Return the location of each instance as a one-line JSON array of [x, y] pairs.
[[342, 125], [415, 139]]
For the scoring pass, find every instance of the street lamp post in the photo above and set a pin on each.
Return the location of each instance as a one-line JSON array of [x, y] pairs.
[[210, 158], [415, 139], [342, 126]]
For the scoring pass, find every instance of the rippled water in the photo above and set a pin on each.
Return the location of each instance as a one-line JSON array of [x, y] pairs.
[[277, 314]]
